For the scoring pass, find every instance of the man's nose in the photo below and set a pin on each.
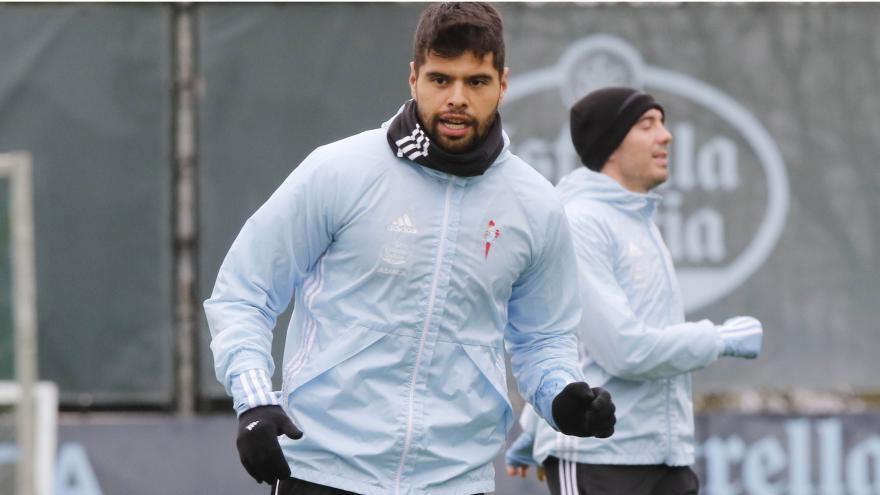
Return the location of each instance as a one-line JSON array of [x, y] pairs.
[[665, 135], [457, 98]]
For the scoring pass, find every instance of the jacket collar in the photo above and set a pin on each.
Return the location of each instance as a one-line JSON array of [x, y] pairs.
[[584, 183]]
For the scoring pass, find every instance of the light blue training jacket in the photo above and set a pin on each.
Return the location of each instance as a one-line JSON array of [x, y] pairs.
[[406, 283], [635, 341]]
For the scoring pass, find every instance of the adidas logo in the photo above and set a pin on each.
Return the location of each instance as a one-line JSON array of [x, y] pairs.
[[403, 224], [251, 426], [414, 145]]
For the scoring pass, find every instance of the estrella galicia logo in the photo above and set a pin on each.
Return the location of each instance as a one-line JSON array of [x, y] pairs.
[[725, 204]]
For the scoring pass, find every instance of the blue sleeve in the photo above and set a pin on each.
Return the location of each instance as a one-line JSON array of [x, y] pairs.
[[250, 389], [620, 342], [543, 314], [277, 247]]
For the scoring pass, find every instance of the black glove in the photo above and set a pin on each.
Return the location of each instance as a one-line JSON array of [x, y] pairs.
[[584, 412], [258, 449]]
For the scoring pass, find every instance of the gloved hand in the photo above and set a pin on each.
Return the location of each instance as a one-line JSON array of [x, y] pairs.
[[742, 336], [519, 454], [584, 412], [258, 448]]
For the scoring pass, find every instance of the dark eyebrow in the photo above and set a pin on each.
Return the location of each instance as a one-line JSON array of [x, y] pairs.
[[481, 76]]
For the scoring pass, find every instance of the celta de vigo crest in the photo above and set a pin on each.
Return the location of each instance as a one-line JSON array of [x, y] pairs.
[[726, 201]]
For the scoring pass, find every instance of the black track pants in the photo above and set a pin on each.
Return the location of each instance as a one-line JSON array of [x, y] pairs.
[[294, 486], [571, 478]]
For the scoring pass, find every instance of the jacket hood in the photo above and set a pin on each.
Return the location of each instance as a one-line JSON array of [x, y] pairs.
[[584, 183]]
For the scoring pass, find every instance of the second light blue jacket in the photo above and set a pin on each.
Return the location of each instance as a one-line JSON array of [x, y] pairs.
[[635, 341], [406, 283]]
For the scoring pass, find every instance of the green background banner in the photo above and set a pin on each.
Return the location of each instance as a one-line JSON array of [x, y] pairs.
[[85, 90]]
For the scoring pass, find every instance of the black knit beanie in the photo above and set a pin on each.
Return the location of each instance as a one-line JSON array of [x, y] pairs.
[[600, 121]]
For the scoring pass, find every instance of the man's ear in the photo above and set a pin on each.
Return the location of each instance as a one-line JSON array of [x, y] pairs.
[[504, 76], [413, 77]]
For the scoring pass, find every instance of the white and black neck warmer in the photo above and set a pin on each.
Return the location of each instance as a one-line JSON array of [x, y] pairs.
[[409, 140]]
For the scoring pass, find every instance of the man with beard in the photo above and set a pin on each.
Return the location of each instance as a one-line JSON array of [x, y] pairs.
[[636, 342], [413, 252]]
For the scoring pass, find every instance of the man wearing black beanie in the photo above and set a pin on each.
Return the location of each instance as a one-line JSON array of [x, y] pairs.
[[601, 120], [634, 337]]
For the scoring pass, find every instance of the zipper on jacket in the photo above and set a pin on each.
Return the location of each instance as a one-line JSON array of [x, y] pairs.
[[668, 381], [668, 421], [428, 317]]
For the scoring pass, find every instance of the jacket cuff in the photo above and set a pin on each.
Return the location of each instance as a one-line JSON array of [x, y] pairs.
[[548, 390], [236, 363], [520, 452], [252, 388]]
